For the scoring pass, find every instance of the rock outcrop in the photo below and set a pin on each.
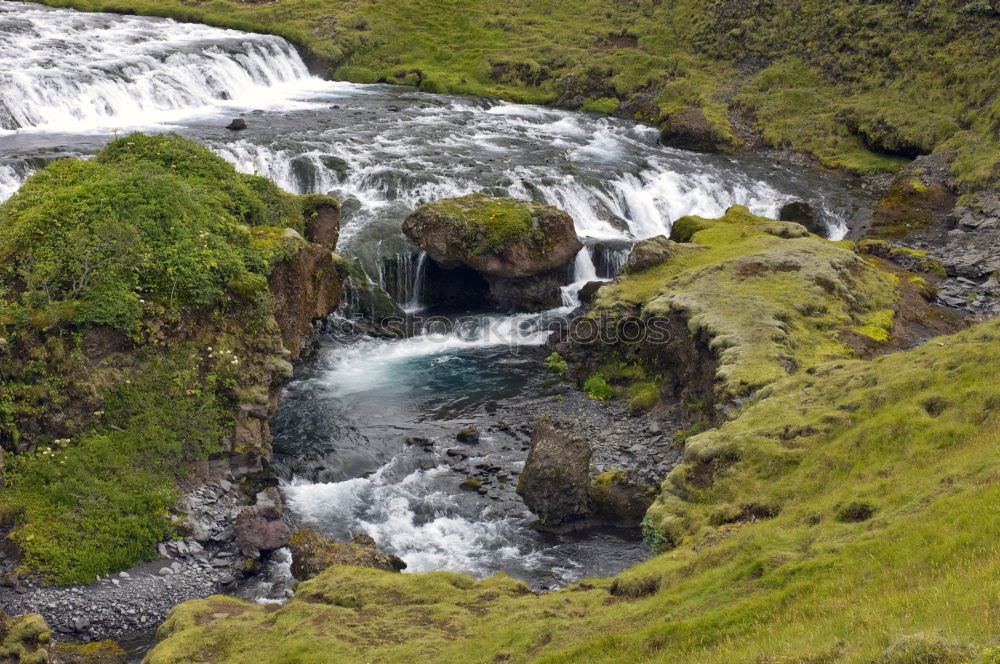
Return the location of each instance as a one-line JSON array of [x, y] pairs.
[[313, 552], [647, 253], [555, 482], [259, 530], [680, 311], [802, 213], [186, 336], [514, 252], [690, 130]]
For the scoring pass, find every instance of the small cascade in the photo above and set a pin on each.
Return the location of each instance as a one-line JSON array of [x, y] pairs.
[[402, 277], [609, 258], [584, 271], [11, 179]]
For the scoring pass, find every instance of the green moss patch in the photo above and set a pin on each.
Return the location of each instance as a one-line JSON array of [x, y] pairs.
[[489, 225]]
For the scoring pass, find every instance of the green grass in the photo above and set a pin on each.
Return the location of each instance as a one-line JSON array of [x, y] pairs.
[[99, 502], [851, 83], [848, 515], [135, 315]]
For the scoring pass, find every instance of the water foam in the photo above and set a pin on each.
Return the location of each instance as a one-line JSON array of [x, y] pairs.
[[73, 72]]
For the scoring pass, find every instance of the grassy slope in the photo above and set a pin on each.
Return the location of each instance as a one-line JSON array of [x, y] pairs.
[[813, 75], [134, 315], [909, 439]]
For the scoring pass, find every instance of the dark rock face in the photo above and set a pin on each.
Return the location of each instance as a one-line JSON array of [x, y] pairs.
[[307, 286], [589, 290], [460, 289], [648, 253], [313, 552], [261, 530], [555, 483], [518, 249], [237, 124], [469, 434], [688, 129], [368, 306], [620, 498], [805, 214]]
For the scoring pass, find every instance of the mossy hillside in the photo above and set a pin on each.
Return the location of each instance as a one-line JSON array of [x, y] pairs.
[[772, 559], [768, 297], [860, 86], [136, 315]]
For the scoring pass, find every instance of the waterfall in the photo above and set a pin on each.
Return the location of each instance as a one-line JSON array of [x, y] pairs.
[[11, 180], [402, 277], [83, 72]]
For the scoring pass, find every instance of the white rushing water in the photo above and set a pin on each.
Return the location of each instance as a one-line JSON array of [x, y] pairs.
[[71, 72]]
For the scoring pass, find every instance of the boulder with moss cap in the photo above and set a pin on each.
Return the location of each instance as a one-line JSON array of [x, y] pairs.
[[517, 249]]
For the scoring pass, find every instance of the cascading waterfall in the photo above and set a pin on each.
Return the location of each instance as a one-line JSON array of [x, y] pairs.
[[96, 71]]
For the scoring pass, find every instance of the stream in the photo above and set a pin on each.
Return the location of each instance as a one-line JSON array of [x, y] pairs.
[[363, 434]]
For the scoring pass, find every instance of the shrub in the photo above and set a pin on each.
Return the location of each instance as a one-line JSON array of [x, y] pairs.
[[597, 388], [557, 364]]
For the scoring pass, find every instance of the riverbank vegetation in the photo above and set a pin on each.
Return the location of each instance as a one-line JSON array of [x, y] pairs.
[[847, 515], [135, 314], [859, 86]]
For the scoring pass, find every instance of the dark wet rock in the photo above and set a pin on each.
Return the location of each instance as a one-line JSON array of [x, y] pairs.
[[368, 308], [648, 253], [237, 124], [555, 482], [261, 530], [805, 214], [589, 290], [512, 254], [469, 434], [313, 552], [690, 130]]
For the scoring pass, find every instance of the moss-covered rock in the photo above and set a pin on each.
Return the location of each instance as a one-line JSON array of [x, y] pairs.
[[150, 301], [555, 481], [618, 499], [313, 552], [98, 652], [689, 129], [741, 303], [911, 206], [24, 639], [518, 247]]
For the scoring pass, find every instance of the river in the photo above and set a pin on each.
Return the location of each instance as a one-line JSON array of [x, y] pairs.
[[363, 433]]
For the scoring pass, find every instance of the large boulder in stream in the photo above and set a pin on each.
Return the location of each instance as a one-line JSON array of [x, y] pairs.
[[555, 482], [512, 253]]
